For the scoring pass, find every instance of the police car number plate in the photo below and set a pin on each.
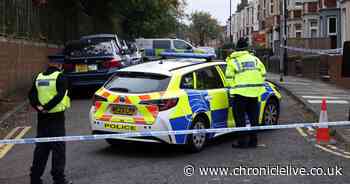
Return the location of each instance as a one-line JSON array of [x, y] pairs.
[[123, 109], [81, 68]]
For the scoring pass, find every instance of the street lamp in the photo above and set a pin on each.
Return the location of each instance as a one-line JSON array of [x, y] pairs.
[[231, 38], [283, 59]]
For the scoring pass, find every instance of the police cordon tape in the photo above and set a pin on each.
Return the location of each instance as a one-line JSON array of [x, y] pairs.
[[165, 133], [330, 52]]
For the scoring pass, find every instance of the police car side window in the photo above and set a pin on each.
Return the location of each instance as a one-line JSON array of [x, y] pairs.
[[161, 44], [208, 78], [223, 67], [187, 81]]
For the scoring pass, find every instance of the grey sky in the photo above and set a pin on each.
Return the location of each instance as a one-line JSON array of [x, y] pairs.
[[220, 9]]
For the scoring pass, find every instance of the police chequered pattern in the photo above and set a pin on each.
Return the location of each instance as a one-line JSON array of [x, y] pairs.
[[162, 133]]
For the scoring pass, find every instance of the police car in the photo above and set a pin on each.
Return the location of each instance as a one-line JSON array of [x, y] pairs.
[[172, 94], [154, 47]]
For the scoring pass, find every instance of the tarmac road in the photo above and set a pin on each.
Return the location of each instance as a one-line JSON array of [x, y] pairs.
[[97, 162]]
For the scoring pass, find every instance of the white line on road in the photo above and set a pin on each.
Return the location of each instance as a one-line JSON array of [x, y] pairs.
[[331, 151], [321, 97], [301, 132], [296, 83], [328, 101]]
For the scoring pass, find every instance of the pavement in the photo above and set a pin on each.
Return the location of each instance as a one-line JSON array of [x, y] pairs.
[[311, 92], [97, 162]]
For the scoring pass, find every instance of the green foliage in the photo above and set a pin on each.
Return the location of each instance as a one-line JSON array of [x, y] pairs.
[[203, 28], [59, 21]]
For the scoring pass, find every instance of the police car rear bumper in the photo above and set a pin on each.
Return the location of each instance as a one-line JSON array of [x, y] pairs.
[[113, 127]]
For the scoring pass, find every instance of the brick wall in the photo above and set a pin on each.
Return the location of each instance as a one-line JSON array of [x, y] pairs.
[[19, 61], [335, 68]]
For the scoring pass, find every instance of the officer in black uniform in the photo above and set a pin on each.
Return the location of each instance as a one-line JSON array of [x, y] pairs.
[[50, 103]]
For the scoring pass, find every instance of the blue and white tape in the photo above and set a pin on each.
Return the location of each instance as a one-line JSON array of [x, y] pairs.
[[330, 52], [164, 133]]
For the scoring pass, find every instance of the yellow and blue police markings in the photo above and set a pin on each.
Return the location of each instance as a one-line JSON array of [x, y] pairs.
[[158, 52], [215, 104], [219, 110]]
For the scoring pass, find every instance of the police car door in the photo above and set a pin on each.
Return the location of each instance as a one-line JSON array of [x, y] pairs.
[[208, 80]]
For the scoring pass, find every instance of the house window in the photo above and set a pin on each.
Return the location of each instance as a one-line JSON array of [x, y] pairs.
[[298, 34], [332, 26], [313, 33], [313, 23], [297, 27]]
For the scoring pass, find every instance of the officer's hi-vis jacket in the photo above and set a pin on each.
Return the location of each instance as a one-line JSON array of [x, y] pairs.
[[245, 74]]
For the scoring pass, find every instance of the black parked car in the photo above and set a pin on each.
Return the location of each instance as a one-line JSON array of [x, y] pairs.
[[90, 61]]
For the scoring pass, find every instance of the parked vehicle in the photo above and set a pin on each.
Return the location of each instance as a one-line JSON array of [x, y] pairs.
[[154, 47], [209, 50], [91, 61]]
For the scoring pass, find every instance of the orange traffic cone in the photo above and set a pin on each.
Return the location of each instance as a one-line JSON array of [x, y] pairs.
[[322, 134]]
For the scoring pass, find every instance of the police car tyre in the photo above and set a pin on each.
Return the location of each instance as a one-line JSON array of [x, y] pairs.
[[114, 142], [196, 142], [271, 112]]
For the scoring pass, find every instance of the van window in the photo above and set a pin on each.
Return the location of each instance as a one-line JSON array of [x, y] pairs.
[[181, 45], [161, 44]]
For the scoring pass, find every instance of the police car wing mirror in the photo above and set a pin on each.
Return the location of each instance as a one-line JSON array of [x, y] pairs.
[[189, 47]]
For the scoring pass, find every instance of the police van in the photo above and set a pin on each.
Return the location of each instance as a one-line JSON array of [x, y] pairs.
[[153, 48]]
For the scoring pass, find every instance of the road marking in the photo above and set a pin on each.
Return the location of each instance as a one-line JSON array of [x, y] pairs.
[[321, 97], [15, 133], [296, 83], [331, 148], [328, 101], [331, 151], [301, 132]]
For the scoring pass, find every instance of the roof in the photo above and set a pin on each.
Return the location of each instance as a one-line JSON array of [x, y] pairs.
[[164, 67]]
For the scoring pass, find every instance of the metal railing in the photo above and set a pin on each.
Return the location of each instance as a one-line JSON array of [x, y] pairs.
[[25, 20]]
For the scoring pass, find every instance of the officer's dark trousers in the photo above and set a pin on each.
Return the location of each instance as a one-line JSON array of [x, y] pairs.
[[246, 105], [49, 125]]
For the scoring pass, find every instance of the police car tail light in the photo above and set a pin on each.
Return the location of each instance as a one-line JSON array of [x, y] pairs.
[[113, 63], [68, 67], [163, 104], [97, 99]]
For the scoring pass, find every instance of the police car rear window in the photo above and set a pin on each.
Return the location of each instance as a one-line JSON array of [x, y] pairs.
[[135, 82]]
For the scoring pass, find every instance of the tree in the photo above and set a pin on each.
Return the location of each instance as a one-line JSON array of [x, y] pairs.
[[149, 18], [203, 28], [129, 19]]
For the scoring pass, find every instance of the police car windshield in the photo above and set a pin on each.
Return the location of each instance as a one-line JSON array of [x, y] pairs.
[[136, 82]]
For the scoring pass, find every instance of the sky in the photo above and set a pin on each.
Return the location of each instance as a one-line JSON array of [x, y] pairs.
[[219, 9]]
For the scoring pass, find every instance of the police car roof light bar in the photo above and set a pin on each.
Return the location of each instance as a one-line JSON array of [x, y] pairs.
[[171, 55]]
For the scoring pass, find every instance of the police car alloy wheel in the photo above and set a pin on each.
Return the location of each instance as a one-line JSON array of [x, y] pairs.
[[271, 113], [197, 141]]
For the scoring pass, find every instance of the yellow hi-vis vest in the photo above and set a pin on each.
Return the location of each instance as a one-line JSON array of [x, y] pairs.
[[245, 74], [46, 86]]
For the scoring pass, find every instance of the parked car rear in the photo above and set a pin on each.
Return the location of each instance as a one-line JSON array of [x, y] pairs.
[[91, 61]]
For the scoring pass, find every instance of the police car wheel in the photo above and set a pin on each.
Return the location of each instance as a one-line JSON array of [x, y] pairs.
[[113, 142], [196, 142], [271, 113]]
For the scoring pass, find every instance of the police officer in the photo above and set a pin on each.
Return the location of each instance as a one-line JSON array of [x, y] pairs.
[[245, 75], [48, 96]]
